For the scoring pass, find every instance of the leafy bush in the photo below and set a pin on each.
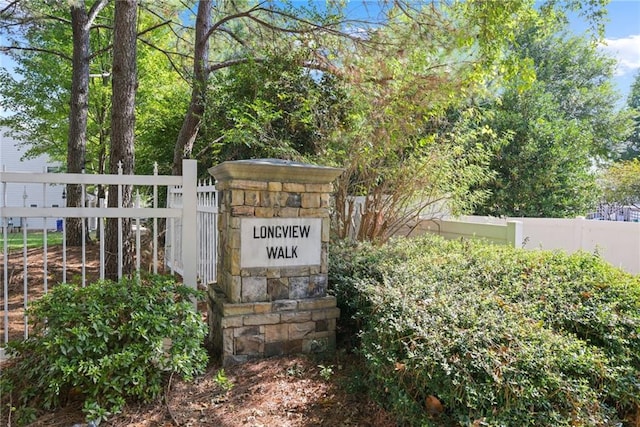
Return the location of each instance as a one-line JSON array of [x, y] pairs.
[[106, 343], [502, 337]]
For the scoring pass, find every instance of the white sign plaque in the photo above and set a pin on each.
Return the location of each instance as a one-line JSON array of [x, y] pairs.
[[280, 242]]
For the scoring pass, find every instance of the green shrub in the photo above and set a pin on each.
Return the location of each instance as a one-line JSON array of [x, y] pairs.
[[106, 343], [503, 337]]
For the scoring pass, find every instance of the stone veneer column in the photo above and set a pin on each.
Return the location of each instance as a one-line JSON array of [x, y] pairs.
[[273, 223]]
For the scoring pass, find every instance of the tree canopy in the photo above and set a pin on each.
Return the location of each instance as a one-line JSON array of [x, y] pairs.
[[392, 95], [558, 129]]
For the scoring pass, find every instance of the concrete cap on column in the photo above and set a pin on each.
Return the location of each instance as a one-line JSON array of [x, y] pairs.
[[271, 170]]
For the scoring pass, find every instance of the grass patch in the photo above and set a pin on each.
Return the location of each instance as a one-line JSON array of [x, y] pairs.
[[35, 239], [501, 337]]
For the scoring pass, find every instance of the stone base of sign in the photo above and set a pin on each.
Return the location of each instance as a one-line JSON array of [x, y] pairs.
[[246, 331]]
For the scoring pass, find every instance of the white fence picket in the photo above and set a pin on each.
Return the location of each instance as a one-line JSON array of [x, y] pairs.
[[207, 230]]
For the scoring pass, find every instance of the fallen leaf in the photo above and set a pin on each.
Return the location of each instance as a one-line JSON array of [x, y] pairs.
[[433, 405]]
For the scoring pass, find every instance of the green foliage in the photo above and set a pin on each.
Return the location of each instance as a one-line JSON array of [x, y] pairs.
[[503, 337], [544, 170], [633, 143], [406, 153], [621, 182], [223, 381], [274, 108], [106, 343], [162, 97], [326, 372], [35, 92]]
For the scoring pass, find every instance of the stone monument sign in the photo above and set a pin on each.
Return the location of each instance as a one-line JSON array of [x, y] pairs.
[[270, 297]]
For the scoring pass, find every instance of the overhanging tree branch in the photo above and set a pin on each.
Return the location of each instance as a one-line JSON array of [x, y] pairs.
[[110, 47], [232, 62]]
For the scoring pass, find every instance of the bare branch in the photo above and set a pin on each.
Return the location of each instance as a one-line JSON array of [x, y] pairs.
[[312, 26], [171, 23], [53, 18], [209, 146], [162, 17], [324, 65], [228, 18], [154, 27], [165, 51], [109, 47], [93, 12], [34, 49], [233, 36], [232, 62], [11, 5]]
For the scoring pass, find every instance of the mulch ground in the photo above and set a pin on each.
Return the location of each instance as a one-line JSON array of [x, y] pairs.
[[283, 391]]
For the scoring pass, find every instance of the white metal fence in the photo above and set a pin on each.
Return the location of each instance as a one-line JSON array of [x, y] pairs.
[[15, 262], [207, 231]]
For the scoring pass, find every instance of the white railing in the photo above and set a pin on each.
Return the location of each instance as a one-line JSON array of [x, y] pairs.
[[207, 226], [615, 212], [186, 214]]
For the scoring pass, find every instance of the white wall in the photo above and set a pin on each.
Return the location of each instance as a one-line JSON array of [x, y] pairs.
[[37, 194], [617, 242]]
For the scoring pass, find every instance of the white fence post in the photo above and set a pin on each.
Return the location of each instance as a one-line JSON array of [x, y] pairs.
[[578, 233], [514, 233], [189, 222]]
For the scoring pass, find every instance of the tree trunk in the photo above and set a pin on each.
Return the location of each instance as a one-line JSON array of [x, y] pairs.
[[122, 131], [193, 118], [78, 113], [79, 108]]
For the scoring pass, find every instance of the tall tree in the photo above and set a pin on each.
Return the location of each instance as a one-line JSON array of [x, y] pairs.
[[32, 92], [244, 31], [544, 168], [124, 84], [274, 109], [37, 45], [559, 127], [45, 48]]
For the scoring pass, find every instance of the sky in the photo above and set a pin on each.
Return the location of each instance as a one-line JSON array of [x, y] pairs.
[[622, 40]]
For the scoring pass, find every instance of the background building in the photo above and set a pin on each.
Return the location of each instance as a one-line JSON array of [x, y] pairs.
[[35, 195]]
